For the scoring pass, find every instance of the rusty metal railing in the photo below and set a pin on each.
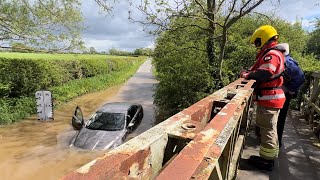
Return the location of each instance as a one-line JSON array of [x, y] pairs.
[[310, 106], [204, 141]]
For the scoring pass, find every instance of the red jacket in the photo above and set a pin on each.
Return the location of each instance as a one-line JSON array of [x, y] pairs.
[[270, 64]]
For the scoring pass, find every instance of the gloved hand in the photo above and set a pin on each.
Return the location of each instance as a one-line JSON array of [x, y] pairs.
[[244, 74]]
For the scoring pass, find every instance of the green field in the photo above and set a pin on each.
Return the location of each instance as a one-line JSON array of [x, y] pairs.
[[59, 56]]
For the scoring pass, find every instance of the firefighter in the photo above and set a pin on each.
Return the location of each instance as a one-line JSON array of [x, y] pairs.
[[269, 95]]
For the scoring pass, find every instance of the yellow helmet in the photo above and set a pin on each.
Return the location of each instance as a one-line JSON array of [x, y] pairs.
[[262, 35]]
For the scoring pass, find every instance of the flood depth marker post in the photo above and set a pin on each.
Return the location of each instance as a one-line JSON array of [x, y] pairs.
[[44, 105]]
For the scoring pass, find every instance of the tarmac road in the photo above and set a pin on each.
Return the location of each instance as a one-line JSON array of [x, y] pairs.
[[140, 89]]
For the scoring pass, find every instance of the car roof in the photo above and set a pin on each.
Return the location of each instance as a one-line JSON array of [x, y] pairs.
[[116, 107]]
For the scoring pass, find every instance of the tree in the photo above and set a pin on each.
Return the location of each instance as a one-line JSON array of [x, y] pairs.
[[55, 24], [116, 52], [20, 47], [92, 50], [113, 51], [143, 51], [183, 73], [219, 16], [138, 52], [313, 45]]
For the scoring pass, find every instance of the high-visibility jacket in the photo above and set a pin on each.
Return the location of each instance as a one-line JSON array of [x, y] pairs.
[[270, 93]]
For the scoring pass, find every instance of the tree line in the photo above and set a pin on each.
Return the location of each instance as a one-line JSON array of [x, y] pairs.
[[22, 48]]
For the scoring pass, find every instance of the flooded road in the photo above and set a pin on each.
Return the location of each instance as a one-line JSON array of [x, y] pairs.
[[32, 149]]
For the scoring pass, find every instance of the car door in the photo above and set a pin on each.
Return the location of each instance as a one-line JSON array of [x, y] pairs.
[[77, 119], [139, 113], [132, 120]]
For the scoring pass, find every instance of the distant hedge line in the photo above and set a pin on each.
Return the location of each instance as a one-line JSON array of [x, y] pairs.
[[22, 77]]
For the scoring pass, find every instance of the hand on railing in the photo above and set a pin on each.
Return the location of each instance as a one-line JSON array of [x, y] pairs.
[[244, 73]]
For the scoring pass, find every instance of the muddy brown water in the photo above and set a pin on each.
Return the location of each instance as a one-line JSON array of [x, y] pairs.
[[31, 149]]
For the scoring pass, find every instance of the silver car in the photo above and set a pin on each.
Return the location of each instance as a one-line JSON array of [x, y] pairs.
[[108, 127]]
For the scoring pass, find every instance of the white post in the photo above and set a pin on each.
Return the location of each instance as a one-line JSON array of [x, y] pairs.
[[44, 105]]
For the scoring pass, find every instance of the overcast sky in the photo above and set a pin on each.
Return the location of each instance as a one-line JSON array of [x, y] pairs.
[[116, 31]]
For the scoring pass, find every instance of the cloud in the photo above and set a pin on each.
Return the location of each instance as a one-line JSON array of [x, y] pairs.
[[105, 31], [291, 10]]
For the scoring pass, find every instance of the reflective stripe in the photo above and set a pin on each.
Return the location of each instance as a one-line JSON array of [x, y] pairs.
[[266, 66], [282, 58], [269, 150], [270, 97], [277, 75], [271, 153]]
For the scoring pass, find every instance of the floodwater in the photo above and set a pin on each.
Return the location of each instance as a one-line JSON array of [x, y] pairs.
[[31, 149]]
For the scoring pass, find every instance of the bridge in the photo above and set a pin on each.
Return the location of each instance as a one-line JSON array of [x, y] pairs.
[[212, 140]]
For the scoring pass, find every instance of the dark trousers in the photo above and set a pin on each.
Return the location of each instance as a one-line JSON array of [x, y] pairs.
[[282, 117]]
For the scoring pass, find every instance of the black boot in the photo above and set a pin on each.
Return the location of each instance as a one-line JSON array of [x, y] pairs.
[[261, 163]]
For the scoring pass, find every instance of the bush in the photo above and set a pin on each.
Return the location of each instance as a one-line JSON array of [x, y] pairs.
[[15, 108], [22, 77], [91, 68]]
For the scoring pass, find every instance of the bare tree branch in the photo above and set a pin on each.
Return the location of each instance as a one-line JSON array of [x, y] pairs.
[[107, 5], [265, 16], [199, 4], [243, 13], [220, 5], [230, 12]]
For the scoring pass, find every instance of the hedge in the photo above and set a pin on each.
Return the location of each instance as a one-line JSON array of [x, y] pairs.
[[22, 77]]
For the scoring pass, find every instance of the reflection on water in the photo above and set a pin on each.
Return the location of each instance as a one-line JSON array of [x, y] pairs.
[[32, 149]]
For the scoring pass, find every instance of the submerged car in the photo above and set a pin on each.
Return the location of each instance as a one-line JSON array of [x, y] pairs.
[[108, 127]]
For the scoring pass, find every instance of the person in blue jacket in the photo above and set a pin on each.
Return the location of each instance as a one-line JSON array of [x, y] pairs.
[[294, 79]]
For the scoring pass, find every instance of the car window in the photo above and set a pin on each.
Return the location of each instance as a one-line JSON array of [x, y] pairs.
[[106, 121]]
